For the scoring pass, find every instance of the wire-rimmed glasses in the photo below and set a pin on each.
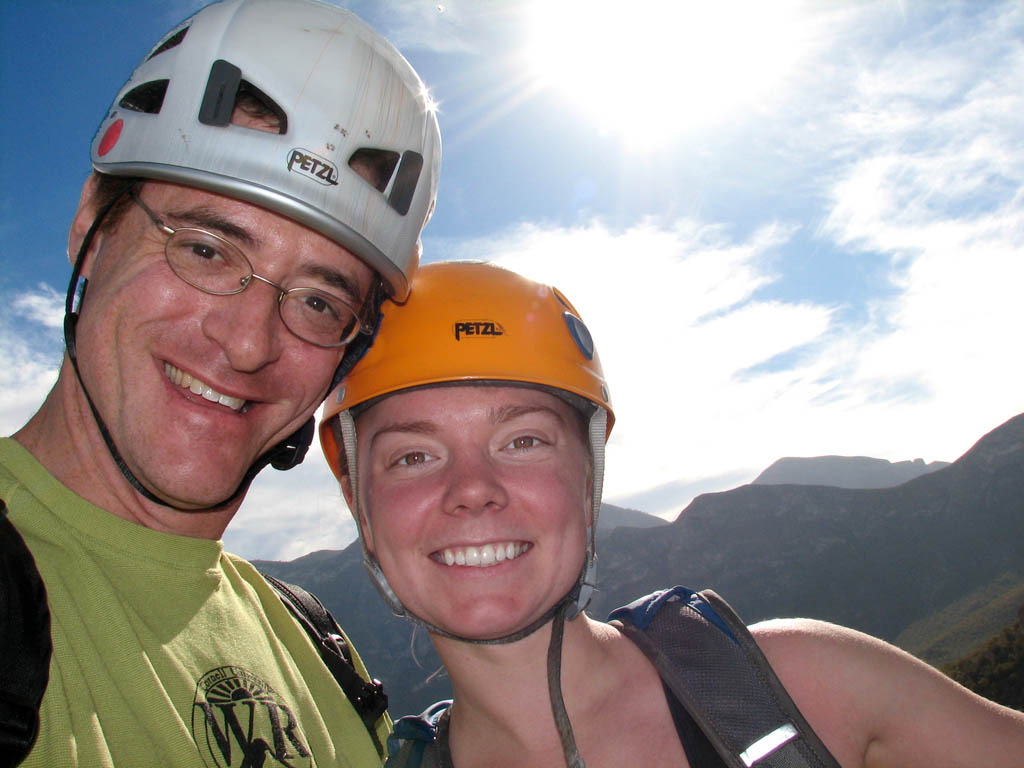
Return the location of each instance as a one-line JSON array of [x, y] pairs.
[[217, 266]]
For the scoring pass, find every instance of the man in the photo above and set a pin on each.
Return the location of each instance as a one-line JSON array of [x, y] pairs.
[[260, 185]]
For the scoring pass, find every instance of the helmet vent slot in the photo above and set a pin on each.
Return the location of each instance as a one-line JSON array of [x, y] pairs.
[[392, 175], [148, 97], [171, 42], [375, 165], [261, 111], [230, 100]]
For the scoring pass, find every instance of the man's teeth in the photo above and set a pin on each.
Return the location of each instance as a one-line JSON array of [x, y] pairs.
[[484, 556], [197, 387]]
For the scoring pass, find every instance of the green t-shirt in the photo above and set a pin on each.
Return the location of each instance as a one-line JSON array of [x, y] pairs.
[[168, 651]]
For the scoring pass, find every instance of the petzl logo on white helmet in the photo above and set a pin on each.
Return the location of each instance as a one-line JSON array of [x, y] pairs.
[[315, 167]]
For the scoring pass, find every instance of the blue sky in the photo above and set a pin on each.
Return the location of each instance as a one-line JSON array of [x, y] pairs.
[[793, 228]]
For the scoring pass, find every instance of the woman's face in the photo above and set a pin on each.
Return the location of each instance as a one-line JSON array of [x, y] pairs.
[[477, 500]]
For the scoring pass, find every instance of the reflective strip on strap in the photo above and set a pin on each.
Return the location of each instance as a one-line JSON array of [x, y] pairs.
[[768, 744]]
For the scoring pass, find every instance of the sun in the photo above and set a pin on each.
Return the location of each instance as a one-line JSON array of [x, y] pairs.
[[652, 70]]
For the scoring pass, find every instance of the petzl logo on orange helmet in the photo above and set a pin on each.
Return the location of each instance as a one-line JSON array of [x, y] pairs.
[[477, 328]]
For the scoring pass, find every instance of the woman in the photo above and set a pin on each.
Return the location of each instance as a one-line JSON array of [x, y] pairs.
[[470, 447]]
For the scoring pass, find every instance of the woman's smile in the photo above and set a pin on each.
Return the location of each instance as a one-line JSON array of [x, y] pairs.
[[482, 556]]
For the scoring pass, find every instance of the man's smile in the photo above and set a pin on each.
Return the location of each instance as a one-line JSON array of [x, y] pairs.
[[197, 387]]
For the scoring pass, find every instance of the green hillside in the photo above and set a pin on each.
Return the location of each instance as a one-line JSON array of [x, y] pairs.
[[965, 624], [996, 669]]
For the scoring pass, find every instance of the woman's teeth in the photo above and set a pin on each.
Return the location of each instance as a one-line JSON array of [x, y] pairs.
[[483, 556], [196, 387]]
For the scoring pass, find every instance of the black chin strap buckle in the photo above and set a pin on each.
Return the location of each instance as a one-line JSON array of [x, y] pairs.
[[291, 451]]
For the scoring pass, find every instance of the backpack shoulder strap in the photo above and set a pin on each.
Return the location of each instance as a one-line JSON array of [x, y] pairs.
[[421, 741], [367, 697], [25, 644], [710, 661]]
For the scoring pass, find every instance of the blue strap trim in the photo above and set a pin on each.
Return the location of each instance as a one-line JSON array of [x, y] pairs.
[[640, 613], [415, 756], [422, 727]]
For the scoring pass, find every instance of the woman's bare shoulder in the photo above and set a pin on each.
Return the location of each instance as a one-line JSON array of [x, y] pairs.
[[876, 705]]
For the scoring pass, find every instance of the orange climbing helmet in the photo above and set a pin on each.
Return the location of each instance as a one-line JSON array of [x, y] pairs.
[[470, 322]]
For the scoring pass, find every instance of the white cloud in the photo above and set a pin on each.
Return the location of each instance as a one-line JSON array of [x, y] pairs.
[[30, 353], [688, 345], [289, 514], [45, 306], [934, 180]]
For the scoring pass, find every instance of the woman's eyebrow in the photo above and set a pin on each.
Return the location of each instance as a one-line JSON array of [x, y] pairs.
[[506, 413], [406, 427]]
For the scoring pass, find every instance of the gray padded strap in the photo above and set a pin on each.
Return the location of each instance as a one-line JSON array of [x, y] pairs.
[[727, 686]]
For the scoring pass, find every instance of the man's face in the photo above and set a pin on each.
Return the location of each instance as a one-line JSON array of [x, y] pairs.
[[194, 387]]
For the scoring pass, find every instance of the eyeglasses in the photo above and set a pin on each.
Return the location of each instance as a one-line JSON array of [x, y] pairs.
[[214, 265]]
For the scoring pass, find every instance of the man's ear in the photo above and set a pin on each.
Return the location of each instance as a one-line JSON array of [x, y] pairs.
[[84, 217]]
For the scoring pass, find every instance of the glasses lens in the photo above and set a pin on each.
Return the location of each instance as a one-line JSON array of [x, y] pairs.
[[206, 261], [319, 317]]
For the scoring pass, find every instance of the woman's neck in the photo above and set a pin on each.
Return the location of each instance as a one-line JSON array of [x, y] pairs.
[[502, 708]]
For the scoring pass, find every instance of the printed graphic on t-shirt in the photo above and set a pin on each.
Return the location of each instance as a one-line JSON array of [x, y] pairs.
[[239, 721]]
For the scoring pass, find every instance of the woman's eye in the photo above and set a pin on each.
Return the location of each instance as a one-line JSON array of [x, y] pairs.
[[412, 459], [522, 443]]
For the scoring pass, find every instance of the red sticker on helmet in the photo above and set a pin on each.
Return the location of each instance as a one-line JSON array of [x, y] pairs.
[[110, 137]]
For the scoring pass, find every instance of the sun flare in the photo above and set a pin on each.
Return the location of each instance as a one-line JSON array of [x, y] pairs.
[[651, 70]]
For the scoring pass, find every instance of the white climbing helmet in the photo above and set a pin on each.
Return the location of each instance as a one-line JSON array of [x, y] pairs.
[[345, 98]]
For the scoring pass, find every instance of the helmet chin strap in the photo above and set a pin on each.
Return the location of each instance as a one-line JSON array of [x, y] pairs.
[[284, 455], [570, 605], [568, 608], [565, 734]]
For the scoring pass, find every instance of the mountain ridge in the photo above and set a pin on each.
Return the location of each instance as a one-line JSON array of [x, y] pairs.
[[844, 471]]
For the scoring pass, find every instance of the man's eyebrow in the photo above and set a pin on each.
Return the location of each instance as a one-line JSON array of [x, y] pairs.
[[206, 218], [335, 279]]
